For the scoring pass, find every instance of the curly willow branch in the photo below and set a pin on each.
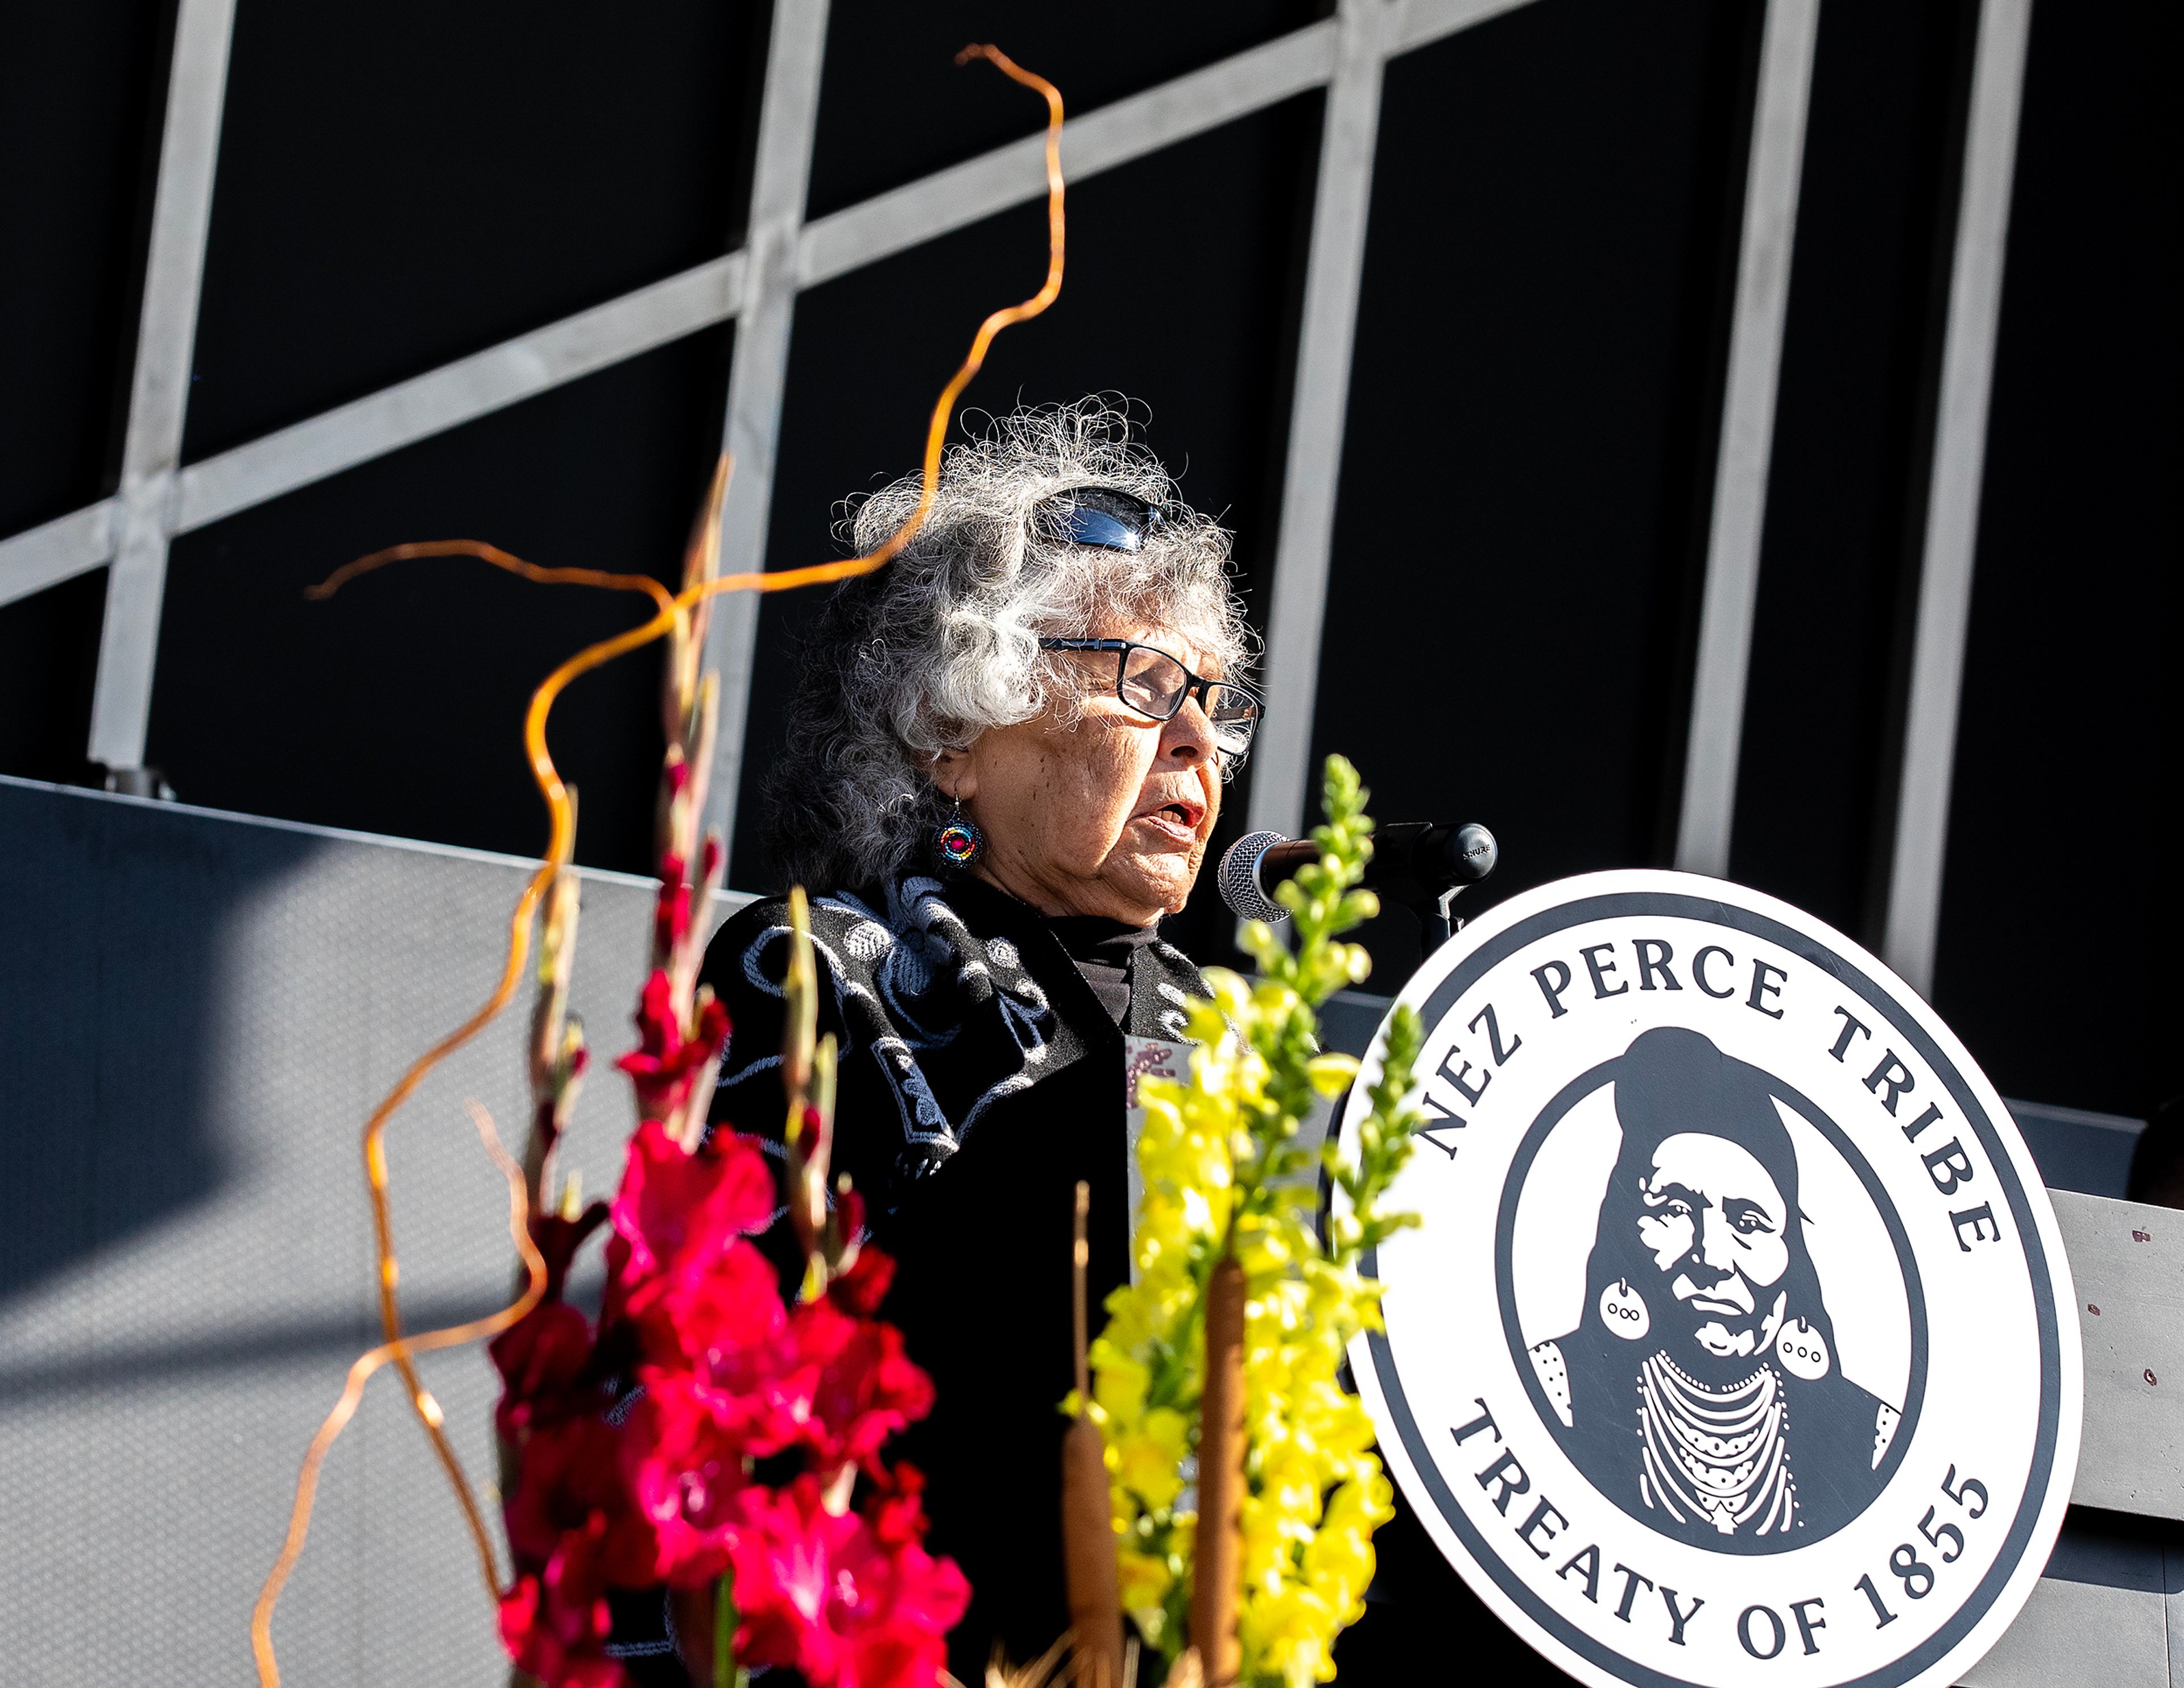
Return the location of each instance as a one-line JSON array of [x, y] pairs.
[[352, 1395], [672, 613]]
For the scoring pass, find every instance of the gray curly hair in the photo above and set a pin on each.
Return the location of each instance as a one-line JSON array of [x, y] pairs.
[[942, 644]]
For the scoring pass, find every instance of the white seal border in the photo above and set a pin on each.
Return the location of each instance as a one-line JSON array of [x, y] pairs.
[[1982, 1618]]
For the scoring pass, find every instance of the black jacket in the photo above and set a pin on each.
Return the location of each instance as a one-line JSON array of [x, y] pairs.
[[980, 1079]]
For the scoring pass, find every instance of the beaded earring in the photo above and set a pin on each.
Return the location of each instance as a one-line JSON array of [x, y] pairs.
[[959, 840]]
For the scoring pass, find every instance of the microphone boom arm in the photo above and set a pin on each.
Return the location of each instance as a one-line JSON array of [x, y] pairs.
[[1420, 864]]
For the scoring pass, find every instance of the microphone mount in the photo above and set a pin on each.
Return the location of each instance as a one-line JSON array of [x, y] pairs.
[[1420, 864]]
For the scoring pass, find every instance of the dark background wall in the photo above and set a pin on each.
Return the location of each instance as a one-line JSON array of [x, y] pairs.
[[2063, 910], [1847, 499], [1523, 509], [1523, 493]]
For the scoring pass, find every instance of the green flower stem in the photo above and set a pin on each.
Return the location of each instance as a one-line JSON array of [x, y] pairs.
[[726, 1673]]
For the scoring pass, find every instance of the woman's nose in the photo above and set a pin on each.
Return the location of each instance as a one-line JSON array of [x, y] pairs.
[[1187, 735]]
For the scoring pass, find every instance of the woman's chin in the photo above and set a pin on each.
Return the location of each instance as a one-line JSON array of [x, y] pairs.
[[1154, 879]]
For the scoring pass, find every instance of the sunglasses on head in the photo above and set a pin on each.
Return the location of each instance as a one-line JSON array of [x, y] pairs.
[[1104, 516]]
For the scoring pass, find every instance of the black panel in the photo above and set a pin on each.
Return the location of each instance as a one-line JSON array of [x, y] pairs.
[[397, 706], [1419, 1615], [1853, 426], [1531, 432], [1192, 324], [2059, 919], [48, 663], [895, 106], [82, 88], [403, 183]]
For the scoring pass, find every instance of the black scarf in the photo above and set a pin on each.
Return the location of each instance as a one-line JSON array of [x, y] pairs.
[[948, 997]]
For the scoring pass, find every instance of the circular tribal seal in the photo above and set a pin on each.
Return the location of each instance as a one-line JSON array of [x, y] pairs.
[[1728, 1349]]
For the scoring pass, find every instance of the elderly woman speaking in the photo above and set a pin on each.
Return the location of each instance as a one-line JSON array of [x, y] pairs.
[[1005, 756]]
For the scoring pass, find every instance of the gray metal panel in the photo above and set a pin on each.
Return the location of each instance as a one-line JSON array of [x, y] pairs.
[[2101, 1613], [2173, 1604], [1747, 437], [2127, 1260], [1945, 582], [196, 1013], [2074, 1632]]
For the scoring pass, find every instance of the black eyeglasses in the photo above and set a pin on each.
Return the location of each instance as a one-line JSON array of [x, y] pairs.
[[1104, 516], [1157, 685]]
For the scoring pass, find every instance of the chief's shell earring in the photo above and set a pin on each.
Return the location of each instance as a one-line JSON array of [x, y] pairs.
[[960, 842], [1802, 1351], [1623, 1311]]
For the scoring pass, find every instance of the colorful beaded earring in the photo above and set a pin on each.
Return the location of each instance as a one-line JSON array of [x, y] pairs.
[[959, 841]]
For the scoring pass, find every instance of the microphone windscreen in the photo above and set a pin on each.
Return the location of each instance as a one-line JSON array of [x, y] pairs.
[[1475, 853], [1241, 888]]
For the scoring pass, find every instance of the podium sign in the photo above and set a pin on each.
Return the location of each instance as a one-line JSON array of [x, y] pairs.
[[1737, 1345]]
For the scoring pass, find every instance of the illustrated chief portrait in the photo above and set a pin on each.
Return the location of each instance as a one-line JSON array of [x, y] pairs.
[[1701, 1387]]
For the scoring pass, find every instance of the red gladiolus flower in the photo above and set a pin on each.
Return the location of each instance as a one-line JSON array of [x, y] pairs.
[[897, 1505], [571, 1476], [845, 1605], [861, 1288], [554, 1623], [666, 1064], [685, 1472], [670, 910], [677, 1214], [865, 1389], [724, 1340], [541, 1358], [711, 1373]]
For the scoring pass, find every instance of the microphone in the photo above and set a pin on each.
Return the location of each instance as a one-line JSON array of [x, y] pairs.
[[1413, 862]]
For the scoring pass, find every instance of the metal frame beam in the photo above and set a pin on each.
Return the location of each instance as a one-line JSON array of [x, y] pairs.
[[697, 299], [58, 550], [1366, 34], [1952, 508], [1014, 174], [458, 393], [1304, 551], [1716, 730], [759, 377], [159, 499], [141, 515]]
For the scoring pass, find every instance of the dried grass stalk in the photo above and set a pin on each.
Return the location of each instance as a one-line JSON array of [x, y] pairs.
[[1219, 1578]]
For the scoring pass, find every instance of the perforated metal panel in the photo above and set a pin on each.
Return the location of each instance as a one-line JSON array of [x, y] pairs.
[[197, 1012]]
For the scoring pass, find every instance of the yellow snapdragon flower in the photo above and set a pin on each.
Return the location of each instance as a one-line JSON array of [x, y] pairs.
[[1221, 1174]]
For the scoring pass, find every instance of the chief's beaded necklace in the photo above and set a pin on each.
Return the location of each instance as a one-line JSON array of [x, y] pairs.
[[1721, 1455]]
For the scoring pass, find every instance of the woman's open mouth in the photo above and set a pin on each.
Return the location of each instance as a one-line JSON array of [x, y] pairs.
[[1178, 818]]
